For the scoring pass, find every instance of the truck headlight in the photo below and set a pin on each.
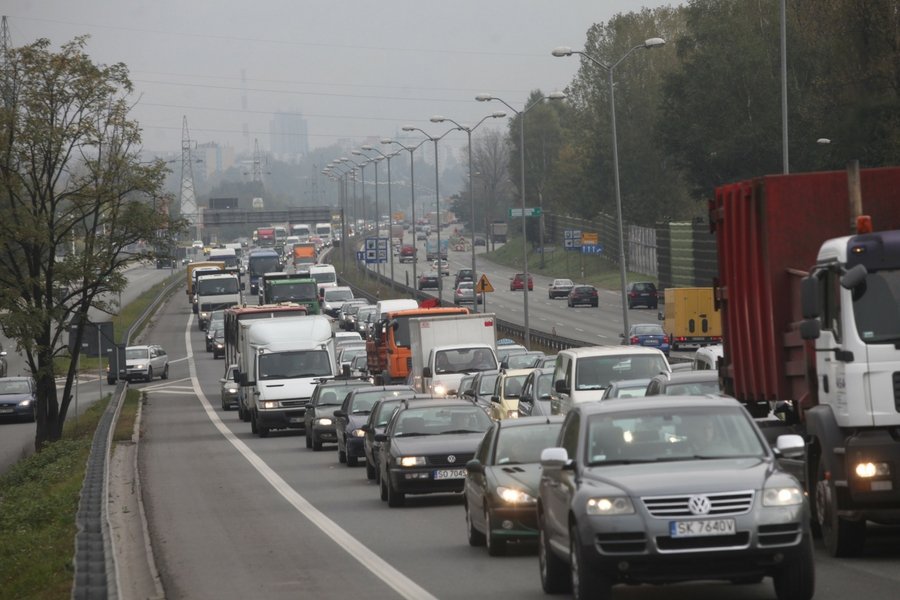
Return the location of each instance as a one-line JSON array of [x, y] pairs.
[[514, 496], [610, 505], [868, 470], [324, 421], [782, 496], [270, 405], [440, 390], [358, 433], [411, 461]]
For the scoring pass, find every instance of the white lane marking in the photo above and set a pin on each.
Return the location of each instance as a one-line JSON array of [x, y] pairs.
[[580, 330], [178, 359], [559, 324], [401, 584]]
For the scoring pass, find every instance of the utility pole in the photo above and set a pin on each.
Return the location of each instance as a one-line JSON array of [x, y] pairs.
[[188, 199]]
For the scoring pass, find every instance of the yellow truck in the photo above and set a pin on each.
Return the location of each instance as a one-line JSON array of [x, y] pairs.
[[691, 318], [207, 265]]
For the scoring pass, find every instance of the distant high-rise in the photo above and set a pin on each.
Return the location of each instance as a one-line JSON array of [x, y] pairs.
[[289, 136]]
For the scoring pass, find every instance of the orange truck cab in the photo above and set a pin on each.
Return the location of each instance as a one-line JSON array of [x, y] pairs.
[[387, 348]]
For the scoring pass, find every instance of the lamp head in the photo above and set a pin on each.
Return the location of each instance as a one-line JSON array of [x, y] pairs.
[[387, 141], [366, 147], [562, 51], [438, 119], [498, 114], [484, 97], [408, 128], [654, 42], [356, 152], [557, 95], [345, 159], [823, 141]]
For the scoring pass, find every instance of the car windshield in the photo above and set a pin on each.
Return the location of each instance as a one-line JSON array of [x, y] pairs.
[[331, 396], [137, 353], [325, 277], [628, 389], [286, 291], [563, 282], [875, 307], [595, 372], [693, 388], [363, 401], [516, 445], [647, 330], [257, 265], [521, 361], [464, 360], [337, 295], [16, 386], [441, 420], [679, 433], [294, 364], [384, 411], [217, 285]]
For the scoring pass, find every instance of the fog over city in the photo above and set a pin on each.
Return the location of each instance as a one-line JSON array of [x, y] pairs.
[[355, 70]]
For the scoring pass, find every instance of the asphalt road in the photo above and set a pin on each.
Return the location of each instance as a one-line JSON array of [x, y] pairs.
[[17, 439], [236, 516]]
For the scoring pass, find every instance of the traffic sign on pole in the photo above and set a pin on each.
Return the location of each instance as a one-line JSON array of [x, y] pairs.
[[483, 285], [527, 212]]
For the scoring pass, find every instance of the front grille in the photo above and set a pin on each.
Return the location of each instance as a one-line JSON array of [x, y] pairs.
[[294, 403], [622, 543], [896, 379], [721, 504], [779, 535], [440, 460], [709, 542]]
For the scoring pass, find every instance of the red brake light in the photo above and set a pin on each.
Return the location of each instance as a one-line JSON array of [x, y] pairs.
[[634, 340]]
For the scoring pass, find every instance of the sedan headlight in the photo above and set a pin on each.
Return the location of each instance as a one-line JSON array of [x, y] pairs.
[[204, 315], [610, 505], [514, 496], [324, 421], [512, 414], [232, 390], [141, 366], [358, 433], [411, 461], [26, 402], [782, 496], [867, 470]]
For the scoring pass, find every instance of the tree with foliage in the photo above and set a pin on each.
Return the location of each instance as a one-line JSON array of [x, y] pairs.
[[73, 196]]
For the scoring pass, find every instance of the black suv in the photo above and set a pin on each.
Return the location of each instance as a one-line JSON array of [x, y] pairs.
[[463, 275], [642, 293]]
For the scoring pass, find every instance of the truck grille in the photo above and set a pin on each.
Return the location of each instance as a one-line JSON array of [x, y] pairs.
[[299, 402], [724, 503]]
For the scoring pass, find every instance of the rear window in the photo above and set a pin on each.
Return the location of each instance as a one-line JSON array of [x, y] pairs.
[[596, 372]]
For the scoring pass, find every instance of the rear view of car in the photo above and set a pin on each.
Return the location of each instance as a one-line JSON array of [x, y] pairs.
[[642, 293], [650, 335], [583, 294]]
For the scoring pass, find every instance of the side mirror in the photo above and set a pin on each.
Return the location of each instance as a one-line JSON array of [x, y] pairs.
[[810, 304], [223, 380], [367, 428], [380, 437], [504, 365], [790, 446], [426, 372], [854, 277], [495, 398], [810, 329], [554, 458], [243, 286], [339, 413], [561, 387], [474, 466], [660, 316]]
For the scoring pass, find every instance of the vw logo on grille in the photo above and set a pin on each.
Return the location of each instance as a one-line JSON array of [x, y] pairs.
[[451, 459], [699, 505]]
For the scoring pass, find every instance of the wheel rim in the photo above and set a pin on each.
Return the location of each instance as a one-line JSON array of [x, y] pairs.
[[823, 505]]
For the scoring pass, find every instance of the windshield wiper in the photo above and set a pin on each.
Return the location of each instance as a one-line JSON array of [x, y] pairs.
[[411, 434], [462, 431], [361, 412]]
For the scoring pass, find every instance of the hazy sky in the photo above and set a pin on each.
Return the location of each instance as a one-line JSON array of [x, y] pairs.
[[353, 68]]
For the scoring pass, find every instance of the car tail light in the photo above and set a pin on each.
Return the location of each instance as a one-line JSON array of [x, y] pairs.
[[632, 294], [635, 340]]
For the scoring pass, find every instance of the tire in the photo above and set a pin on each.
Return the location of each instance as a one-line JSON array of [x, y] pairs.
[[263, 431], [587, 580], [149, 373], [842, 538], [383, 488], [308, 440], [342, 456], [165, 373], [316, 444], [475, 537], [395, 499], [595, 304], [370, 471], [496, 545], [110, 381], [352, 461], [796, 580], [555, 577]]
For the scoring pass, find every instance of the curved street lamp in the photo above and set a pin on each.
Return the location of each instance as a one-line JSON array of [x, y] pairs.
[[494, 115], [387, 157], [412, 188], [610, 69], [437, 202], [521, 115]]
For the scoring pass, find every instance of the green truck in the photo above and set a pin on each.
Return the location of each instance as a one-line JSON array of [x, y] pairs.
[[300, 290]]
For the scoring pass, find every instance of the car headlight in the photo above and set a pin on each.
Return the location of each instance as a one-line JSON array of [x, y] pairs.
[[270, 405], [26, 402], [358, 433], [610, 505], [868, 470], [204, 315], [411, 461], [232, 390], [440, 390], [514, 496], [324, 421], [512, 414], [139, 366], [782, 496]]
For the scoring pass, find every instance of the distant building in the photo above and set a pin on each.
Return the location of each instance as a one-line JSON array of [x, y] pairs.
[[290, 140]]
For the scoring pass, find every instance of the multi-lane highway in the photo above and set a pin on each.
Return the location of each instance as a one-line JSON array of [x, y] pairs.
[[232, 515]]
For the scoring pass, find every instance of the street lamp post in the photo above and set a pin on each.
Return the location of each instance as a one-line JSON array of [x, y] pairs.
[[412, 189], [469, 130], [437, 204], [521, 115], [388, 157], [610, 69]]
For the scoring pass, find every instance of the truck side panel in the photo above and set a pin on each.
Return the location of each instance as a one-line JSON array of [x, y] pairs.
[[768, 231]]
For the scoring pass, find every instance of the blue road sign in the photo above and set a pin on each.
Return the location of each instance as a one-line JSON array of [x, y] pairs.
[[592, 249]]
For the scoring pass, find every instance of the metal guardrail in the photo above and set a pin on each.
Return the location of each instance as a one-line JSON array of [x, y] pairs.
[[96, 570]]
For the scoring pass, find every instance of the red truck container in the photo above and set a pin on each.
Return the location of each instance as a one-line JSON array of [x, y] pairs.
[[793, 283], [265, 237]]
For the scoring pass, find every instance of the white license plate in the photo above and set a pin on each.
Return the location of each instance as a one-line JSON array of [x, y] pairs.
[[7, 410], [652, 342], [450, 474], [682, 529]]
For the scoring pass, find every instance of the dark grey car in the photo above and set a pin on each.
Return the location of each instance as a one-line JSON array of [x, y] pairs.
[[661, 490]]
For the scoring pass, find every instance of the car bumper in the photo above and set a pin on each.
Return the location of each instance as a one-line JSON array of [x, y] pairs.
[[324, 433], [17, 412], [518, 522], [631, 554], [421, 481], [231, 400], [276, 418], [135, 374]]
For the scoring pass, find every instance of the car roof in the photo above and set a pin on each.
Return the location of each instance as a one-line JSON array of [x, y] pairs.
[[656, 402], [529, 421], [586, 351]]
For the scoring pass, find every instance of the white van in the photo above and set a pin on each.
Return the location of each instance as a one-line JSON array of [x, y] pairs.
[[382, 307], [325, 276], [302, 231], [323, 230], [707, 357], [581, 374]]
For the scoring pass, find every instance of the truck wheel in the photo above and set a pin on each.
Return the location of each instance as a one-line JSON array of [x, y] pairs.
[[316, 444], [587, 580], [342, 456], [842, 538], [554, 578], [796, 580]]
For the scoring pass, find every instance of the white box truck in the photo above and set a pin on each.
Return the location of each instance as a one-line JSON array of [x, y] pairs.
[[216, 292], [443, 349], [280, 363]]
